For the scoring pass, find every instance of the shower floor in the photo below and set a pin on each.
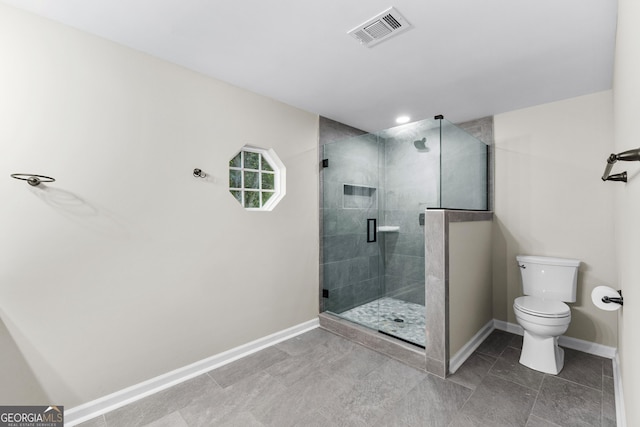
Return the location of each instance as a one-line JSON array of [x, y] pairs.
[[382, 313]]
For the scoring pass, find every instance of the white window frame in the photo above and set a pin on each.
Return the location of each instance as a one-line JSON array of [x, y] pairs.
[[279, 172]]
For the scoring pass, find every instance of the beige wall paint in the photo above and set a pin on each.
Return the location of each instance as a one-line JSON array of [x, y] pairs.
[[470, 285], [129, 267], [19, 384], [626, 96], [550, 200]]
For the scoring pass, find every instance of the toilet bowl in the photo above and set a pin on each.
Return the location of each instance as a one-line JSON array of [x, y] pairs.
[[547, 284], [540, 349]]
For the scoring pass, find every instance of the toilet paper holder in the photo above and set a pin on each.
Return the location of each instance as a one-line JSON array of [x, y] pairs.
[[613, 299]]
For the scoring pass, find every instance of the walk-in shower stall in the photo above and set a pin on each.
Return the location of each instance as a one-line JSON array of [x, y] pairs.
[[375, 190]]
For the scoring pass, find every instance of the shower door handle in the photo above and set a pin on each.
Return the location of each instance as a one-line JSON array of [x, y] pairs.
[[372, 230]]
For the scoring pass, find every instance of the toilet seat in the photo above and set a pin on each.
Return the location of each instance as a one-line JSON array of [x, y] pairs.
[[541, 308]]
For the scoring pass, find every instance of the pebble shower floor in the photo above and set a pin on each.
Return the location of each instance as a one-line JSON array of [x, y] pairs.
[[383, 314]]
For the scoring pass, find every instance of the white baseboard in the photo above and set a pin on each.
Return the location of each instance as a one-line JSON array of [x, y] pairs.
[[463, 354], [508, 327], [621, 418], [588, 347], [572, 343], [128, 395]]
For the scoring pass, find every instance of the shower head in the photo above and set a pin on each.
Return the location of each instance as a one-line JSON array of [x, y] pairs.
[[421, 144]]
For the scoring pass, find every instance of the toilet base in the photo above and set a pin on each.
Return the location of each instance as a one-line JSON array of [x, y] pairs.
[[542, 353]]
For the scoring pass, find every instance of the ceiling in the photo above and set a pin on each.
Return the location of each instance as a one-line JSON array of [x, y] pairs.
[[464, 59]]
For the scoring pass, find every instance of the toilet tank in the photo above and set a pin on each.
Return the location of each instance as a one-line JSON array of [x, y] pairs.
[[549, 278]]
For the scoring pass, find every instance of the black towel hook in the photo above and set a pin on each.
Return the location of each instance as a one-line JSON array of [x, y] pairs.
[[627, 156]]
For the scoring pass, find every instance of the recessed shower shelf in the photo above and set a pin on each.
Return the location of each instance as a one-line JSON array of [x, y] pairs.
[[388, 229]]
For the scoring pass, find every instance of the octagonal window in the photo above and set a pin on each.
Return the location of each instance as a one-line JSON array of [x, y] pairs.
[[256, 178]]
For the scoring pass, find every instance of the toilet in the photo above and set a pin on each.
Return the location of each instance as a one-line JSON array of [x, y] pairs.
[[547, 284]]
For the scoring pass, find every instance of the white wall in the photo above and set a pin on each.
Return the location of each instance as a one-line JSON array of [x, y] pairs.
[[127, 266], [626, 95], [550, 200]]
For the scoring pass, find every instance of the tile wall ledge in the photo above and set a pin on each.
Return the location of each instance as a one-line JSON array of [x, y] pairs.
[[458, 215]]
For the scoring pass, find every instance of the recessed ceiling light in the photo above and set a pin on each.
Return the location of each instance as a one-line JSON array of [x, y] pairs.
[[402, 120]]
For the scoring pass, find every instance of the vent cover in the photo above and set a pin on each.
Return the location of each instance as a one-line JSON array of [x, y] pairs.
[[380, 27]]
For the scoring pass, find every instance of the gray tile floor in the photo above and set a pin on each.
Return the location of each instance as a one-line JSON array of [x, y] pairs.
[[321, 379]]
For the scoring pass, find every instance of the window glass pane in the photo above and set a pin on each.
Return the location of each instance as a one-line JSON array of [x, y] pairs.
[[237, 195], [251, 160], [266, 196], [251, 180], [265, 165], [235, 179], [236, 162], [251, 199], [268, 181]]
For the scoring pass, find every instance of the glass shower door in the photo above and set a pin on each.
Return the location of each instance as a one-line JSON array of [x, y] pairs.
[[350, 217]]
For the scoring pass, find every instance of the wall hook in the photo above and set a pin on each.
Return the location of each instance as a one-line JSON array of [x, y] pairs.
[[32, 179], [198, 173]]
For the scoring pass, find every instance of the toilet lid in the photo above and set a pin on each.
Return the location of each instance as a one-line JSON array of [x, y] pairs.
[[542, 308]]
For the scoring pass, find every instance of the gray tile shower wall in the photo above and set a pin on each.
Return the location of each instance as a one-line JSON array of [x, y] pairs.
[[480, 128], [332, 131], [437, 304]]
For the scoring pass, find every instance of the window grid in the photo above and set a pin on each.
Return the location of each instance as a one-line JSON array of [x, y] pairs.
[[244, 194]]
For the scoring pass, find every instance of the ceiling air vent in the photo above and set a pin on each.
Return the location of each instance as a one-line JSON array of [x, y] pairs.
[[379, 28]]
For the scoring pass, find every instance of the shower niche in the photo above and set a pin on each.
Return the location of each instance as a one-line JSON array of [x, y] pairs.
[[376, 189], [359, 197]]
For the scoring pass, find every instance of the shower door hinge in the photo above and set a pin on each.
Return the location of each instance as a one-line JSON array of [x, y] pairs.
[[325, 163], [325, 293]]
